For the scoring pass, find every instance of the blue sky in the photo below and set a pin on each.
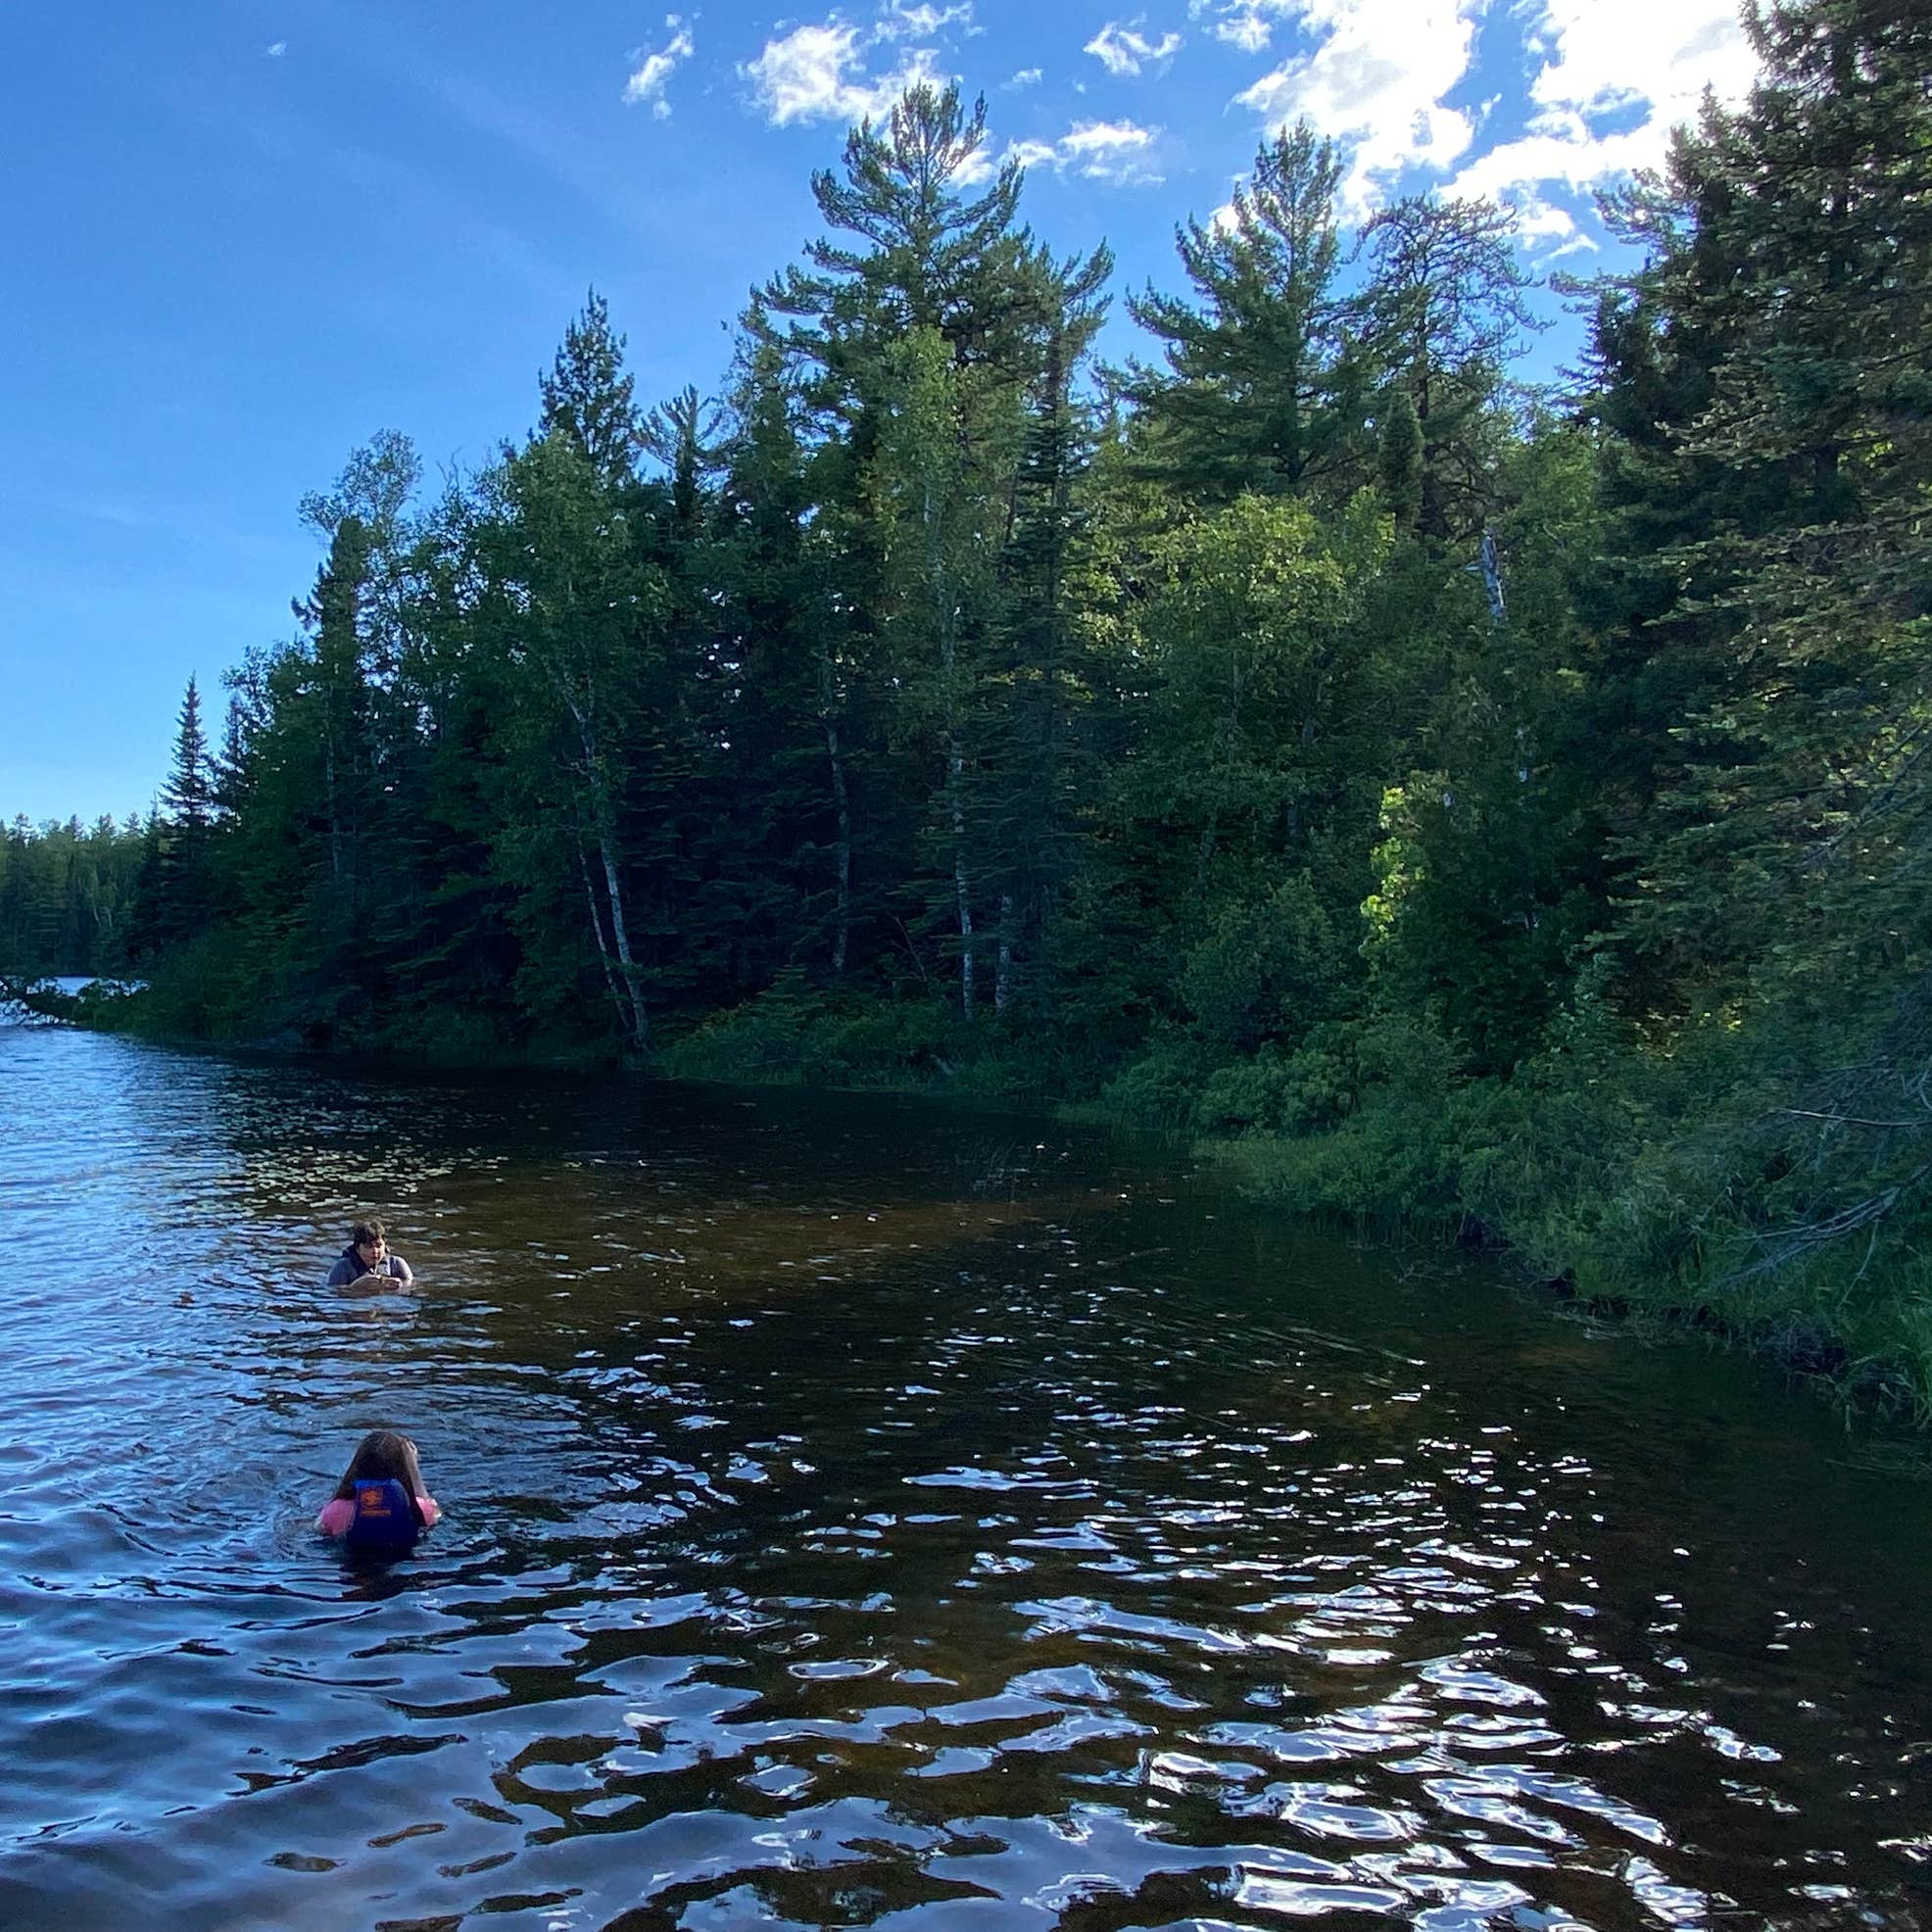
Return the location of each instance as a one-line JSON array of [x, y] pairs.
[[244, 235]]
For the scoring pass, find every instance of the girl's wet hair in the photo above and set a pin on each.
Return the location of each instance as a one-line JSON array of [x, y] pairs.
[[384, 1455]]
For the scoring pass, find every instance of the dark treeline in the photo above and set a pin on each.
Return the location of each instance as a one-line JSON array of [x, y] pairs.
[[1475, 801], [66, 896]]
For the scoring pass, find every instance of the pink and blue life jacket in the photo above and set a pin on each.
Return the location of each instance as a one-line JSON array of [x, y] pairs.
[[386, 1522]]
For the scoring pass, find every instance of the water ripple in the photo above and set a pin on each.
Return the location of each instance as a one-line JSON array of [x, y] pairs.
[[827, 1543]]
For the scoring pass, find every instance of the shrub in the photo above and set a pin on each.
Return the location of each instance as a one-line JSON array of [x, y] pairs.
[[795, 1034], [1264, 970]]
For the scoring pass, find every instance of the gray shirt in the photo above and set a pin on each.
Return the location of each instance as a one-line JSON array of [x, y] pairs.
[[349, 1269]]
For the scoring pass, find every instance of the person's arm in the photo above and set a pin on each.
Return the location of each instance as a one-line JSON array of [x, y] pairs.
[[399, 1268], [430, 1513], [339, 1276], [338, 1512]]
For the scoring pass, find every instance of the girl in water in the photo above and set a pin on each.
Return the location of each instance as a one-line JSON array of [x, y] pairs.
[[383, 1479]]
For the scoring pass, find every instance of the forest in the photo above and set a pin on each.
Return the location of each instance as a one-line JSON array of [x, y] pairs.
[[66, 896], [1467, 804]]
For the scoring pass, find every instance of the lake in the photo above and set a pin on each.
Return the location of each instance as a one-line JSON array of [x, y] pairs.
[[862, 1512]]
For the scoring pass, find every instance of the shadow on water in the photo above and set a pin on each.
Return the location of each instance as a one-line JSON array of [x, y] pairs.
[[858, 1513]]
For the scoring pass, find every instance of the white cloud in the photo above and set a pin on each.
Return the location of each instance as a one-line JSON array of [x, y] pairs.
[[818, 74], [1027, 76], [1648, 59], [1244, 23], [1377, 75], [1119, 153], [1124, 50], [1376, 80], [1247, 32], [275, 49], [648, 84], [979, 167], [898, 21], [1110, 151], [1546, 230]]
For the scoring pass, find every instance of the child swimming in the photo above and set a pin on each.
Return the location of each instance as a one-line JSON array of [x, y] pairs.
[[367, 1257], [381, 1501]]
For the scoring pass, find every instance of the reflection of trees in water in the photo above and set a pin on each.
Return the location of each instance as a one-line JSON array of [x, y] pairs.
[[796, 1480]]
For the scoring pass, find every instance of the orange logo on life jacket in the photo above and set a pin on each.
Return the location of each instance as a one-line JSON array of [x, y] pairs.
[[372, 1501]]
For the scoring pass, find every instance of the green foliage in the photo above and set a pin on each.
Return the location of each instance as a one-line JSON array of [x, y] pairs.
[[1266, 972], [67, 896], [1467, 807], [1392, 1152], [588, 398], [1262, 390], [1399, 458], [795, 1036], [1440, 315], [198, 991]]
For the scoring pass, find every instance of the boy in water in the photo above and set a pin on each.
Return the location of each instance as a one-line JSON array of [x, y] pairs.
[[367, 1253]]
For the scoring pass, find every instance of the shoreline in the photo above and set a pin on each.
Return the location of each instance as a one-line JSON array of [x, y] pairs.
[[1812, 1351]]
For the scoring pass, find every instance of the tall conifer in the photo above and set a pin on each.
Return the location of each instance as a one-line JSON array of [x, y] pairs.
[[1262, 389]]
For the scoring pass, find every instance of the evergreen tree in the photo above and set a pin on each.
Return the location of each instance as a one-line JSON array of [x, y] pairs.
[[789, 787], [340, 692], [1399, 456], [923, 345], [1663, 650], [182, 876], [678, 433], [1799, 272], [589, 396], [230, 767], [189, 794], [1262, 385], [375, 488], [934, 255], [1441, 314]]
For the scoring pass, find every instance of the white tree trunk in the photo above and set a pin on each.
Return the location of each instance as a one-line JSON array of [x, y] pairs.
[[640, 1019], [1002, 983], [842, 938], [961, 888], [944, 616], [602, 947], [600, 814]]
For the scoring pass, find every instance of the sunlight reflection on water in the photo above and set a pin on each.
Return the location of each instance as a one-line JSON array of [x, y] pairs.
[[835, 1536]]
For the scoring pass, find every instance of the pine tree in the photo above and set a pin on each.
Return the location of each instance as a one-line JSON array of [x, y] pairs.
[[589, 396], [189, 794], [937, 256], [1798, 272], [679, 433], [1441, 314], [333, 611], [1262, 385], [921, 347], [1399, 456]]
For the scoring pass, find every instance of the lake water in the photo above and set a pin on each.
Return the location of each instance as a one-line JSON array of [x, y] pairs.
[[862, 1513]]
